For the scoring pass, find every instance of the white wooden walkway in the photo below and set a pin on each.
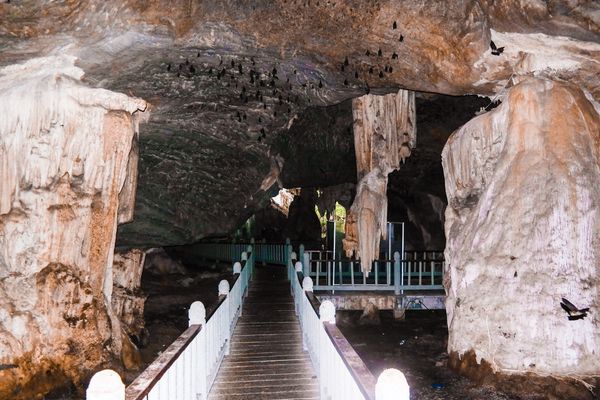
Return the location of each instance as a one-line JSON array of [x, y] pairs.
[[266, 359]]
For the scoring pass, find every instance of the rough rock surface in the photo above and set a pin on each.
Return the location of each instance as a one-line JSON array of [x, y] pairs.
[[128, 299], [64, 151], [204, 153], [523, 223], [370, 315]]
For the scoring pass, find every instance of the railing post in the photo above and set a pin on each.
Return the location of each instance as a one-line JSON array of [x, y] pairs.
[[197, 316], [306, 264], [297, 268], [397, 268], [106, 385], [251, 258], [224, 291], [392, 385], [288, 257], [237, 268], [301, 253]]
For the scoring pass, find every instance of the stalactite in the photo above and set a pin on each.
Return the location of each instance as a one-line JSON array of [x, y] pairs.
[[384, 133]]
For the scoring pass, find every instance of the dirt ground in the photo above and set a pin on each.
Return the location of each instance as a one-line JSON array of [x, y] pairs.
[[417, 347]]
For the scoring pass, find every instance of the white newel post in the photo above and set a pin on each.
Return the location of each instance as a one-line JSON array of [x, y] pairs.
[[307, 284], [106, 385], [197, 316], [244, 256], [392, 385], [224, 291], [237, 268], [326, 316], [287, 251]]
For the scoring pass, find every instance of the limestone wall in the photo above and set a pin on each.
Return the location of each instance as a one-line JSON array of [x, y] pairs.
[[523, 231], [64, 159]]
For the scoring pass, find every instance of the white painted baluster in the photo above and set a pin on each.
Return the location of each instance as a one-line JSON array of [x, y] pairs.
[[307, 286], [106, 385], [392, 385], [326, 315], [226, 322], [432, 272], [197, 316]]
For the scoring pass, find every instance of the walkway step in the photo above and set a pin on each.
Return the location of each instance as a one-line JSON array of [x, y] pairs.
[[266, 360]]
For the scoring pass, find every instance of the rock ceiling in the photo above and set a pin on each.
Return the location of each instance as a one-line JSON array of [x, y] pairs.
[[226, 79]]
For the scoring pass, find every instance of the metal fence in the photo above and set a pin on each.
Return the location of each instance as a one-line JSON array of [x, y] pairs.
[[417, 270], [386, 275], [267, 253]]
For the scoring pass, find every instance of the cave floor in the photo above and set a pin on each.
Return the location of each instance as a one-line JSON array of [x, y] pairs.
[[417, 347]]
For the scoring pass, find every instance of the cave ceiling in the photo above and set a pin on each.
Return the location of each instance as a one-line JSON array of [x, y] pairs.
[[228, 80]]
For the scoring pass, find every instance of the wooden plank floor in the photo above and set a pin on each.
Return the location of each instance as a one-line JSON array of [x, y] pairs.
[[266, 359]]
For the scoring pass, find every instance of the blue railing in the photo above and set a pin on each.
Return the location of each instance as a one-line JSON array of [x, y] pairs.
[[266, 253], [418, 270]]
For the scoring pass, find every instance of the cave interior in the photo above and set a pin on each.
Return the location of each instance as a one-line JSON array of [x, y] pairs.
[[133, 130]]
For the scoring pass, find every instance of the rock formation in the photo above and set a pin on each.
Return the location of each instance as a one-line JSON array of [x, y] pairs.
[[65, 153], [384, 131], [523, 231], [127, 298]]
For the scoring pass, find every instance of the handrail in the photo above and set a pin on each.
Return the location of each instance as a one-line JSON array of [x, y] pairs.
[[355, 365], [187, 369], [342, 373], [144, 383]]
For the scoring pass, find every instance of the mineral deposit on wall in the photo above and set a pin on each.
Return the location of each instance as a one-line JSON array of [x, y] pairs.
[[64, 160], [523, 231], [384, 132]]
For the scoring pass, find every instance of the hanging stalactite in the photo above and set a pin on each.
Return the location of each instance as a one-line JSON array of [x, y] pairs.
[[384, 133]]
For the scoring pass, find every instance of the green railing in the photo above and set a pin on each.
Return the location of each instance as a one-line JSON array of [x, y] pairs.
[[422, 270], [266, 253]]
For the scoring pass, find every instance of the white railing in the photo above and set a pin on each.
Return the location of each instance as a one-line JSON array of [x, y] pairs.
[[341, 372], [188, 368]]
